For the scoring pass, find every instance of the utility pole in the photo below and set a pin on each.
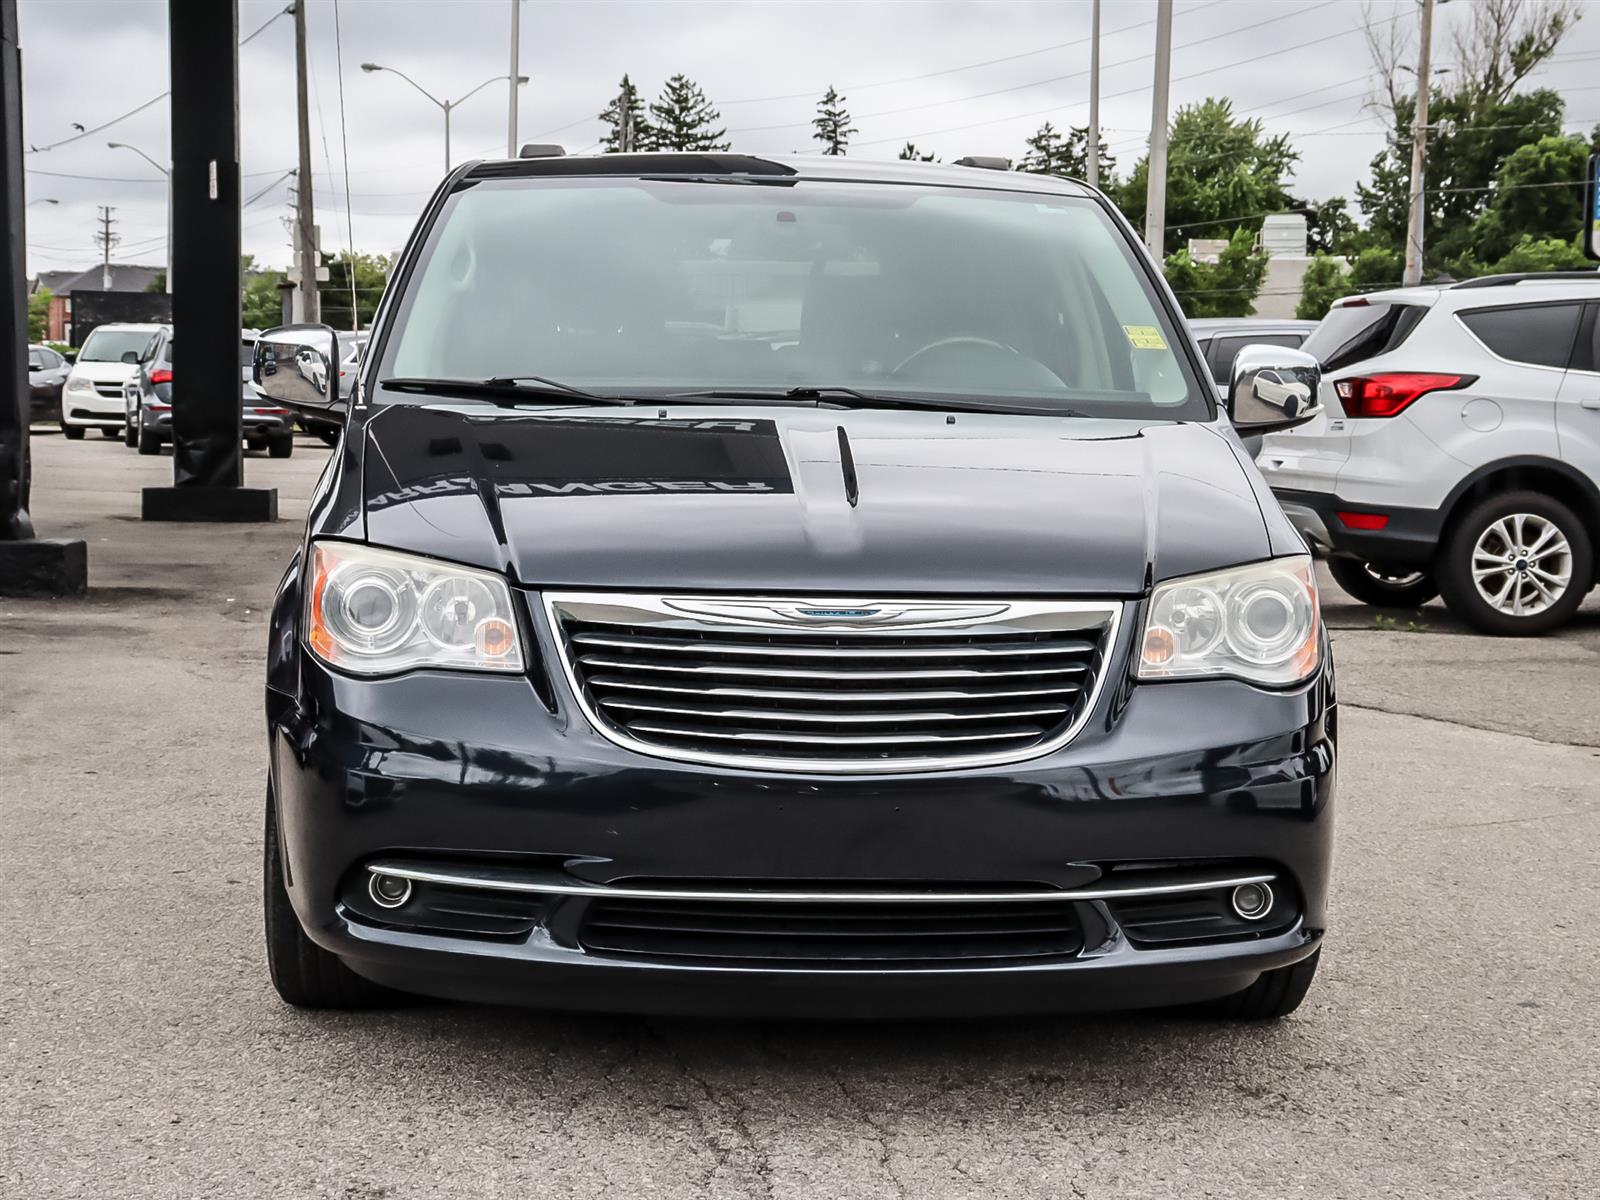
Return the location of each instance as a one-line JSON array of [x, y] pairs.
[[627, 121], [105, 239], [1155, 212], [1093, 164], [516, 46], [1419, 151], [305, 237]]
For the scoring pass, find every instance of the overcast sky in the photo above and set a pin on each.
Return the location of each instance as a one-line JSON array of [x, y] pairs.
[[957, 78]]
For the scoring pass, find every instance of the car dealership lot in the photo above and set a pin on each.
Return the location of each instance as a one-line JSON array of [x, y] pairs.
[[1451, 1044]]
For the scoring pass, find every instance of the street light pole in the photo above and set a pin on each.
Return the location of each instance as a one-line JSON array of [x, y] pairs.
[[1419, 152], [445, 106], [167, 171], [1155, 212]]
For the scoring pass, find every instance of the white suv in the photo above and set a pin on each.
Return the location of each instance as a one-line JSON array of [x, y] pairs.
[[1459, 450]]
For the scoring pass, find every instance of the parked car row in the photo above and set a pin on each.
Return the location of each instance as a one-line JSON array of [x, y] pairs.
[[121, 384], [1457, 451]]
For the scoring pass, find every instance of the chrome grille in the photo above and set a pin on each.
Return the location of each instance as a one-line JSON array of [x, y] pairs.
[[819, 686]]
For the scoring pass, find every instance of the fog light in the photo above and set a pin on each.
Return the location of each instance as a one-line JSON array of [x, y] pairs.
[[390, 891], [1252, 901]]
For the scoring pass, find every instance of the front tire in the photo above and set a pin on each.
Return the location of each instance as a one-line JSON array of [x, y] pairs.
[[1380, 586], [1516, 565], [304, 974], [130, 434], [1277, 993], [73, 433]]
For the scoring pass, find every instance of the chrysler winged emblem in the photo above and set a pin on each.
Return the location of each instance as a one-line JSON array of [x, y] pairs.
[[846, 613]]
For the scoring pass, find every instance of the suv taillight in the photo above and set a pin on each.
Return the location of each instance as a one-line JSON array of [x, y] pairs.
[[1392, 392], [161, 375]]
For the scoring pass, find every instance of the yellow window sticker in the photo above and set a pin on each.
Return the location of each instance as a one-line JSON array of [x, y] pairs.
[[1145, 337]]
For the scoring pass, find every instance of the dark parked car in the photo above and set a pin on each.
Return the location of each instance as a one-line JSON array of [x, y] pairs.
[[1221, 338], [147, 398], [47, 374], [806, 586]]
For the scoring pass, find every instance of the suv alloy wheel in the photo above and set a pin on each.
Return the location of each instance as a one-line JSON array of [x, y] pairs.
[[1517, 564]]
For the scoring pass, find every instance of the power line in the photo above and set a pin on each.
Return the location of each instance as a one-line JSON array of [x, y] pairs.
[[78, 137], [1138, 58], [1131, 91]]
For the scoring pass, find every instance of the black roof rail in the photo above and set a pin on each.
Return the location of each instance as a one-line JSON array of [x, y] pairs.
[[988, 162], [1486, 281], [542, 150]]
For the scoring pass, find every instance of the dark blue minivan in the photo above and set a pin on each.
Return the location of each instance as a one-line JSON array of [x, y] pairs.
[[771, 587]]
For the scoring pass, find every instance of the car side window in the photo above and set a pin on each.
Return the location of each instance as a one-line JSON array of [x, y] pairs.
[[1538, 334], [36, 361], [1224, 350]]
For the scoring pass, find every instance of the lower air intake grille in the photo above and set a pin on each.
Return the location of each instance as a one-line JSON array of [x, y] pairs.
[[797, 685], [832, 936]]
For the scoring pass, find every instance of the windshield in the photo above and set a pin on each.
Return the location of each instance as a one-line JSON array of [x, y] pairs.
[[109, 345], [639, 287]]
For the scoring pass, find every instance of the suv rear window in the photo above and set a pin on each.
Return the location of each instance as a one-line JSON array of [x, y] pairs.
[[1351, 333], [1540, 334]]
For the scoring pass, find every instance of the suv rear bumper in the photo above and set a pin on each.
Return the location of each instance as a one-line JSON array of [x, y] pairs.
[[1410, 537]]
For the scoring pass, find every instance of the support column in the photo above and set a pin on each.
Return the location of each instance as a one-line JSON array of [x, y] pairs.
[[207, 424], [29, 566]]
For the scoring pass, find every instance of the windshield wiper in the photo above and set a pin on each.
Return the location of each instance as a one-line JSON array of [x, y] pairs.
[[838, 396], [502, 389]]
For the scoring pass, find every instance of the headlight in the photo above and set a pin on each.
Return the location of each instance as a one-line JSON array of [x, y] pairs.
[[1258, 623], [376, 612], [79, 384]]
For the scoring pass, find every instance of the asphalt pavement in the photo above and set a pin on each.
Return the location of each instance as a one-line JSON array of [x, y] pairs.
[[1450, 1046]]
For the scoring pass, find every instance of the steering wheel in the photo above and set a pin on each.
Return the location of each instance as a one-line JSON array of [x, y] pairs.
[[959, 340]]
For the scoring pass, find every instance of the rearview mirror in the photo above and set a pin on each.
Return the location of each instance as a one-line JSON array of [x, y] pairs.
[[298, 366], [1273, 388]]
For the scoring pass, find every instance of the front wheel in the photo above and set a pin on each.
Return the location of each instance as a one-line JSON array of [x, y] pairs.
[[1516, 565], [303, 973], [1383, 587], [1277, 993], [73, 433], [130, 434]]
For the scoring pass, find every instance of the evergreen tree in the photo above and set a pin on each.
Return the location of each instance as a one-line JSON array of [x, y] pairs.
[[1052, 153], [681, 118], [627, 106], [910, 153], [833, 128]]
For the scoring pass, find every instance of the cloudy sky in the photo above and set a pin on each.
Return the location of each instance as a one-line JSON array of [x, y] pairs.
[[955, 77]]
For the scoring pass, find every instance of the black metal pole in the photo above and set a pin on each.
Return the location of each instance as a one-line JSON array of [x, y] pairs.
[[14, 521], [28, 565], [207, 428]]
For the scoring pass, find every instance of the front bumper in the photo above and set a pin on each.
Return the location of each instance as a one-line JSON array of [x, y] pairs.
[[1410, 538], [477, 769]]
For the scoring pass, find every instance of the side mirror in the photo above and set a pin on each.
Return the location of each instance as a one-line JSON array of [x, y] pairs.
[[131, 357], [298, 366], [1273, 388]]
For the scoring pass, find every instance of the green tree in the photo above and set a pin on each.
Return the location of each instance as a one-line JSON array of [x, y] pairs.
[[1223, 174], [681, 118], [372, 274], [910, 153], [627, 107], [1543, 254], [1325, 281], [1051, 152], [1225, 288], [262, 301], [39, 315], [1330, 229], [832, 123], [1538, 194], [1375, 268]]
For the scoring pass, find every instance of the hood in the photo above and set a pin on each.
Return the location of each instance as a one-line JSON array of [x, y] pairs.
[[829, 502], [104, 372]]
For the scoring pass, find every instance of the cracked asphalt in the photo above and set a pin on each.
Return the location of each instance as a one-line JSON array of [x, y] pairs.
[[1450, 1047]]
